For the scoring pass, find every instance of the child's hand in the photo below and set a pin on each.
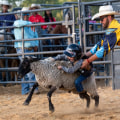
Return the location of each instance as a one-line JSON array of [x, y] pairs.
[[59, 67], [85, 65]]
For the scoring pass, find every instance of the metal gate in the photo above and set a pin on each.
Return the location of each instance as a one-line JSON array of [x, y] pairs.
[[102, 66], [116, 69], [106, 64]]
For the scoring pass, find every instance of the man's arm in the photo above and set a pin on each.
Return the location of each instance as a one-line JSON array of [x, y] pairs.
[[88, 61], [97, 55], [88, 54]]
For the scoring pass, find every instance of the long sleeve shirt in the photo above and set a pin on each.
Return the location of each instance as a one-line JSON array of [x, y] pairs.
[[36, 19], [61, 57], [7, 17], [75, 67], [28, 34], [110, 39]]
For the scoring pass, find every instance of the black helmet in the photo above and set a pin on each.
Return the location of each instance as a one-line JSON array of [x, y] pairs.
[[73, 50]]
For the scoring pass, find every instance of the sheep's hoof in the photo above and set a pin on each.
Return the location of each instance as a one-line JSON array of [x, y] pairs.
[[25, 103], [96, 98], [96, 103], [51, 108], [50, 112], [88, 103]]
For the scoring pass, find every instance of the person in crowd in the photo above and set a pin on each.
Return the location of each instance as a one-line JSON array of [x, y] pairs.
[[49, 18], [35, 17], [5, 5], [29, 46], [111, 37]]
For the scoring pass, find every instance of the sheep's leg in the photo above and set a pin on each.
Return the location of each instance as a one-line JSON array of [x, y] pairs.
[[27, 101], [85, 96], [51, 106], [96, 98]]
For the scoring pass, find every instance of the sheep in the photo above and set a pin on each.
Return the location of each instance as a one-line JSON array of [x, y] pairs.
[[48, 76]]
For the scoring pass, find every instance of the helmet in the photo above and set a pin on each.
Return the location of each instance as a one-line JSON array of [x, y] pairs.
[[73, 50]]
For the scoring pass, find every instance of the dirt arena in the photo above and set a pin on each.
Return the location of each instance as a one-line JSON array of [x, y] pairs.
[[68, 106]]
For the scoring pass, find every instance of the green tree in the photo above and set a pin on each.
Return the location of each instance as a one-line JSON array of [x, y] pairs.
[[56, 13]]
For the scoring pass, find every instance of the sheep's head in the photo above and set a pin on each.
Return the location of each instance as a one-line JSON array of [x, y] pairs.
[[24, 67]]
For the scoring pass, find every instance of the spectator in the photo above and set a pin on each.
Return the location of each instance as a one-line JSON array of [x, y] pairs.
[[29, 46], [35, 17], [5, 5], [49, 18]]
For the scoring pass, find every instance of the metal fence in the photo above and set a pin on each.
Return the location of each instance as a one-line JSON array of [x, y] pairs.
[[71, 37], [80, 31]]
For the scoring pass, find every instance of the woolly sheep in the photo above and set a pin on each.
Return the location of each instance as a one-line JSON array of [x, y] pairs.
[[49, 77]]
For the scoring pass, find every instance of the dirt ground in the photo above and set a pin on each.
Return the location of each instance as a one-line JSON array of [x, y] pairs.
[[68, 106]]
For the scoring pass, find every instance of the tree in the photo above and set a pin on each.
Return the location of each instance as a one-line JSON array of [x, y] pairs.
[[56, 13]]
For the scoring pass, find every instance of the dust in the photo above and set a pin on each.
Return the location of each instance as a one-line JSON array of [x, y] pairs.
[[68, 106]]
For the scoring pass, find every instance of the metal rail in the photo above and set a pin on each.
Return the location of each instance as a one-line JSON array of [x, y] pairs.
[[7, 56]]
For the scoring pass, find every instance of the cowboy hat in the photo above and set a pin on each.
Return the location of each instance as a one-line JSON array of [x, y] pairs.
[[37, 6], [5, 2], [25, 9], [105, 10]]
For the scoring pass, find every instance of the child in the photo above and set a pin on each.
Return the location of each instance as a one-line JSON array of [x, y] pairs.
[[74, 54]]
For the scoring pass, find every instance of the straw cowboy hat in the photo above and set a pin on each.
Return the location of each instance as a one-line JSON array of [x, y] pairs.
[[105, 10], [25, 9], [37, 6], [5, 2]]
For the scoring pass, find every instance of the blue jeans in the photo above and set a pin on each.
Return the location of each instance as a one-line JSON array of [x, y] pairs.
[[28, 77], [78, 83]]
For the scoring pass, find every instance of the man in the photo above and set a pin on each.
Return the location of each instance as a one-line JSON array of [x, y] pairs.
[[5, 5], [35, 17], [29, 46], [111, 37]]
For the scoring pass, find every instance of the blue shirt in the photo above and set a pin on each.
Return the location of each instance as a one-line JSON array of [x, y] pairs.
[[7, 17], [28, 34], [110, 39]]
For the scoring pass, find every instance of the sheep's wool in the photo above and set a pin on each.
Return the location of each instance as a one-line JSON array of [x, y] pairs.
[[47, 74]]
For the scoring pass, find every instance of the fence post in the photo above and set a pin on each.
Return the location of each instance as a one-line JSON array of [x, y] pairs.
[[80, 22], [6, 60], [73, 25], [22, 41]]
